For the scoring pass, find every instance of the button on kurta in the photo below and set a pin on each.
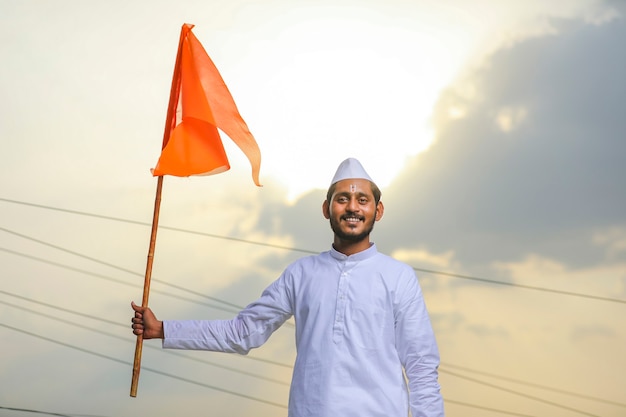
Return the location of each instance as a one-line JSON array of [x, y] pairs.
[[340, 309]]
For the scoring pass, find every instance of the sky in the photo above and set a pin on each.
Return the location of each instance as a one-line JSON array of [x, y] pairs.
[[495, 129]]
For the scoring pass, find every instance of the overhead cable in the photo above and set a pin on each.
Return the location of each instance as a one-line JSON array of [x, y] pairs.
[[266, 244]]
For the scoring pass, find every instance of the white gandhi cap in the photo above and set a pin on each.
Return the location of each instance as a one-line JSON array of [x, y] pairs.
[[351, 168]]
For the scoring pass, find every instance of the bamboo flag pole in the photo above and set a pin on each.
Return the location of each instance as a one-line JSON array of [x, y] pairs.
[[169, 125], [146, 285], [193, 141]]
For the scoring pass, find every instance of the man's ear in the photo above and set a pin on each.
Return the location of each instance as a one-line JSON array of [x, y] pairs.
[[326, 209], [380, 209]]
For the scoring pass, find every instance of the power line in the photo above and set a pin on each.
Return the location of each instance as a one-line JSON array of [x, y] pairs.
[[528, 287], [285, 365], [289, 248], [156, 371], [262, 359], [110, 265], [270, 361], [186, 299], [295, 249], [83, 315], [289, 366], [140, 223], [48, 413], [117, 281], [510, 413], [126, 339], [530, 384], [510, 391], [260, 399]]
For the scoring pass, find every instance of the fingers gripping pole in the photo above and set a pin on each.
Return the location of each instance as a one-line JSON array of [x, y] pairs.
[[146, 285]]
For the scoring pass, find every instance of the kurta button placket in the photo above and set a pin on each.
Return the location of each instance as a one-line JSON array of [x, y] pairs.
[[338, 325]]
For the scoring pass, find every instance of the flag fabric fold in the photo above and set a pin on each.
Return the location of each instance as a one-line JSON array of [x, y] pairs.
[[200, 104]]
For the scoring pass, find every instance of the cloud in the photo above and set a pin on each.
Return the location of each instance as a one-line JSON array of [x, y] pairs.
[[527, 159], [523, 183], [532, 163], [443, 260]]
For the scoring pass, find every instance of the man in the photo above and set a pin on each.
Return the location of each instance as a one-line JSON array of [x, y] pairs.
[[360, 320]]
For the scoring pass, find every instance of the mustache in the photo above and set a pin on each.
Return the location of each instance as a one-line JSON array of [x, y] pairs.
[[352, 215]]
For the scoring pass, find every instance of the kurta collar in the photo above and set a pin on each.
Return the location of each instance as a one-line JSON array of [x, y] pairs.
[[359, 256]]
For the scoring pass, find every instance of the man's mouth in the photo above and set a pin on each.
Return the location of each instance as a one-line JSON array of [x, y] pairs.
[[352, 219]]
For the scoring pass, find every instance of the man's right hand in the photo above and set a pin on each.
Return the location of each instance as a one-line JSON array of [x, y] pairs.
[[145, 323]]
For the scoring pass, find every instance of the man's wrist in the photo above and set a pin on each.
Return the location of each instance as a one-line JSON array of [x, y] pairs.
[[161, 331]]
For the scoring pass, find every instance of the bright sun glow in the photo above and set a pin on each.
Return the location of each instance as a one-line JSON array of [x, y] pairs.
[[373, 101]]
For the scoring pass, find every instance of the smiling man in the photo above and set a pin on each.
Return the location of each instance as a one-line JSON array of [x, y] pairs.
[[352, 205], [361, 320]]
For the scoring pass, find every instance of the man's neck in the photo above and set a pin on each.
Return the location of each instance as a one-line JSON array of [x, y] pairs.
[[350, 248]]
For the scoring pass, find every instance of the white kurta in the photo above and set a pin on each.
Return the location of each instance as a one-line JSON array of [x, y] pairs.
[[360, 320]]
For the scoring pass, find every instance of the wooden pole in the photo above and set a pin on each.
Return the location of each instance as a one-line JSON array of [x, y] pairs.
[[170, 122], [146, 284]]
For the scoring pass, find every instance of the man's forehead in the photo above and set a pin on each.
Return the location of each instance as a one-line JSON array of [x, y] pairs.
[[353, 185]]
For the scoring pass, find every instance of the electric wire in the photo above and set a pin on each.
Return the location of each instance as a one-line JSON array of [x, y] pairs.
[[534, 385], [510, 413], [517, 285], [117, 281], [190, 300], [47, 413], [289, 248], [495, 410], [50, 413], [140, 223], [510, 391], [153, 370], [26, 410], [115, 323], [119, 268], [126, 339], [298, 250], [442, 370], [166, 374]]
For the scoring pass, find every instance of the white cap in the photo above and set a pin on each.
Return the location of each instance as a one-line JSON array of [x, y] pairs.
[[350, 169]]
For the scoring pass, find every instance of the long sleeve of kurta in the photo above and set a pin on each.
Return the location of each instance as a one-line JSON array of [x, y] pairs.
[[360, 320], [249, 329], [418, 352]]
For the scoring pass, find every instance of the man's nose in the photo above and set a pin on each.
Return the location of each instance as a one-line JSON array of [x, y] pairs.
[[353, 204]]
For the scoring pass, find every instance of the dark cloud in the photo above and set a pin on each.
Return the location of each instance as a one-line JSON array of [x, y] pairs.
[[303, 221], [543, 187]]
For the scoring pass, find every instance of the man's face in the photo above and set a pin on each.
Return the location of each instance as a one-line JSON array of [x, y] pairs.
[[352, 210]]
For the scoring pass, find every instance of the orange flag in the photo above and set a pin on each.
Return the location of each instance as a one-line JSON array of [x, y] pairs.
[[200, 103]]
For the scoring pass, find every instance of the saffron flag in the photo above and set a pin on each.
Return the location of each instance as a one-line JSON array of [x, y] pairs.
[[200, 103]]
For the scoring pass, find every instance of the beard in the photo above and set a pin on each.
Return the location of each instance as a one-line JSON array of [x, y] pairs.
[[336, 228]]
